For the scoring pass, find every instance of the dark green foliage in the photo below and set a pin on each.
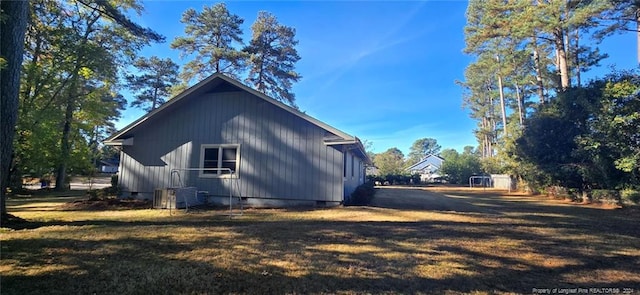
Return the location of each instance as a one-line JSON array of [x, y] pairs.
[[587, 138], [603, 196], [422, 148], [210, 36], [362, 196], [114, 180], [630, 196], [272, 58], [415, 179], [69, 98], [390, 162], [153, 82], [458, 168], [395, 179]]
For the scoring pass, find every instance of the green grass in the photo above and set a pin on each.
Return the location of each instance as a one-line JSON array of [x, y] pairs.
[[530, 243]]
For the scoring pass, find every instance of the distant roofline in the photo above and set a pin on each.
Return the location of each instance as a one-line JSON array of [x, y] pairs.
[[424, 159]]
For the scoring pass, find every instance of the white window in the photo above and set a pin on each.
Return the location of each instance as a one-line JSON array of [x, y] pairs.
[[217, 159]]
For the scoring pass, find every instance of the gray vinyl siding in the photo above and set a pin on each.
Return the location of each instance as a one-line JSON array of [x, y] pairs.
[[282, 156], [355, 173]]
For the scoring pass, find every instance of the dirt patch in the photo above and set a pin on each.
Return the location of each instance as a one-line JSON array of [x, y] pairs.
[[106, 204]]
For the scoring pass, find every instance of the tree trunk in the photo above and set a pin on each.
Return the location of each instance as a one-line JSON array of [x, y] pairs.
[[155, 97], [577, 58], [72, 94], [638, 29], [536, 63], [503, 110], [12, 31], [65, 141], [520, 107], [563, 67]]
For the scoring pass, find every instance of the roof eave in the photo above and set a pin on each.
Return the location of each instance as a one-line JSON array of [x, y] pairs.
[[344, 136]]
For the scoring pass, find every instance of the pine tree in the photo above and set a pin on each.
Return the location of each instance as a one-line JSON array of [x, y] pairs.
[[211, 35], [153, 83], [422, 148], [272, 57], [13, 23]]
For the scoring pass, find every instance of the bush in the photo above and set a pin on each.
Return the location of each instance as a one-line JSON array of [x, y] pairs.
[[102, 194], [558, 192], [605, 196], [114, 180], [630, 196], [362, 196]]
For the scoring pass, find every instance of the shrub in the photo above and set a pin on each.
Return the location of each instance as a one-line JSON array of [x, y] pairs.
[[557, 192], [630, 196], [605, 196], [102, 194], [362, 196], [114, 180]]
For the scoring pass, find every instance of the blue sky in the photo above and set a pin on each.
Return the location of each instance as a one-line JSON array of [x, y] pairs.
[[380, 70]]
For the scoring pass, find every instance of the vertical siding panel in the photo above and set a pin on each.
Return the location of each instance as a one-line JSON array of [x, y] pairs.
[[125, 176], [137, 179], [311, 174], [324, 189], [270, 162], [296, 163], [288, 153], [281, 157]]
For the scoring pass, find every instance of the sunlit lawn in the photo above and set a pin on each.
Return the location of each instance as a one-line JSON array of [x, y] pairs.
[[530, 243]]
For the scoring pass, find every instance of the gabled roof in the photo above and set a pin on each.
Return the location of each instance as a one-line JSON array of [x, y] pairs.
[[338, 138], [424, 162]]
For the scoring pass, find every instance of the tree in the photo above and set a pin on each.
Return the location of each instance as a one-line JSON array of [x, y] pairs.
[[624, 16], [74, 53], [272, 57], [529, 25], [13, 23], [211, 36], [47, 80], [389, 162], [457, 168], [153, 82], [612, 140], [422, 148], [586, 138]]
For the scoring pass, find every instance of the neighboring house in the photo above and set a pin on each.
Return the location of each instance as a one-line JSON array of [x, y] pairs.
[[109, 165], [428, 168], [372, 170], [280, 156]]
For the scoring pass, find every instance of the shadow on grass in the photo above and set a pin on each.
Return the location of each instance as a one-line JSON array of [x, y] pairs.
[[316, 257], [528, 245]]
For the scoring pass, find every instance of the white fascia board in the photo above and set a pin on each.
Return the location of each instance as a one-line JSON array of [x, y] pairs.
[[120, 142]]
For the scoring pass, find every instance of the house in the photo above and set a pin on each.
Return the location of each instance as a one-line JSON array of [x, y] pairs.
[[428, 168], [109, 165], [222, 137]]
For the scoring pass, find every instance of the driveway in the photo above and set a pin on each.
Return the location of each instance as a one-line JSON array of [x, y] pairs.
[[416, 198]]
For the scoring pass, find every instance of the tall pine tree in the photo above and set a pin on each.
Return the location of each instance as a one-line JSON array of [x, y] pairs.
[[153, 82], [211, 36], [272, 57]]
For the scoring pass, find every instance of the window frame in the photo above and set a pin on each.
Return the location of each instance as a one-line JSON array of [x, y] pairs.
[[220, 161]]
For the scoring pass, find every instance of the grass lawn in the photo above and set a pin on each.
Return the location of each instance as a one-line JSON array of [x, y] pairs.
[[520, 244]]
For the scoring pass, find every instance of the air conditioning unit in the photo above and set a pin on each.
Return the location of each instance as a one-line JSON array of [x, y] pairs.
[[175, 198]]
